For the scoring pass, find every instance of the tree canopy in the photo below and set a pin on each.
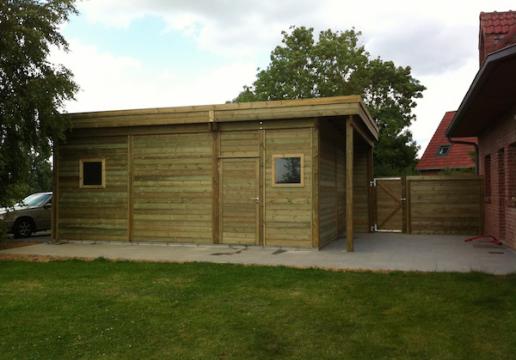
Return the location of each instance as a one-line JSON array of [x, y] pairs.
[[336, 64], [32, 92]]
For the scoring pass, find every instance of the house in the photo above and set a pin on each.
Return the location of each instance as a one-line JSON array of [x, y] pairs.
[[497, 30], [444, 155], [488, 111], [276, 173]]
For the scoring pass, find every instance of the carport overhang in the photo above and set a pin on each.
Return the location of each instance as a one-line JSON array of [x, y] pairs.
[[491, 95]]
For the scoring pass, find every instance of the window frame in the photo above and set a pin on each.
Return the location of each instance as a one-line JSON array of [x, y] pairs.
[[81, 173], [301, 173], [447, 147]]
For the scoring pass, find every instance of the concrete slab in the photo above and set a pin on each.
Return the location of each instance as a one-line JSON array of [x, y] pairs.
[[377, 252]]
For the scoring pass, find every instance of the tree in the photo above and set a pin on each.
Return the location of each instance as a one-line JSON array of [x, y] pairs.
[[32, 92], [336, 64]]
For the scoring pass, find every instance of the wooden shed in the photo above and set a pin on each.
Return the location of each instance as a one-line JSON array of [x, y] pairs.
[[278, 173]]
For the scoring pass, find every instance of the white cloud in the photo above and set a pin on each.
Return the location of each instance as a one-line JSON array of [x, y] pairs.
[[437, 38], [110, 82], [444, 93]]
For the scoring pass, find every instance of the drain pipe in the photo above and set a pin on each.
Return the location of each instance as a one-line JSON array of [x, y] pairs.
[[477, 153]]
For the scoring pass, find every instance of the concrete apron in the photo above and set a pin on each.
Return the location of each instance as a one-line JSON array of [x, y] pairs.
[[374, 252]]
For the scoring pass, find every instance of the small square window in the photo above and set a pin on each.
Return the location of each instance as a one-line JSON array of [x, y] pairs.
[[92, 173], [443, 150], [287, 170]]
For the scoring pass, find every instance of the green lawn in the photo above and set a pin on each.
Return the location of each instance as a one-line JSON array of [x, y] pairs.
[[121, 310]]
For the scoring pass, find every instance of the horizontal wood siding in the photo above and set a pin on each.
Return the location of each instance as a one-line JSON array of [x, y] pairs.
[[445, 205], [288, 210], [360, 190], [240, 144], [328, 197], [93, 213], [332, 187], [172, 188], [239, 205], [341, 189]]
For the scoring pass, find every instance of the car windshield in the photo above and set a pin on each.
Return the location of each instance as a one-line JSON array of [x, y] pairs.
[[35, 200]]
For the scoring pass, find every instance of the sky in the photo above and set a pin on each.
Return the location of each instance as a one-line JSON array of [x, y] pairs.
[[153, 53]]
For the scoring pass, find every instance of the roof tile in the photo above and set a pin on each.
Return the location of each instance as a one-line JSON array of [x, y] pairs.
[[459, 155]]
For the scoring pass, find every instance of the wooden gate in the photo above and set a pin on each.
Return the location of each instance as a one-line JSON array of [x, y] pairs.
[[389, 204], [448, 204]]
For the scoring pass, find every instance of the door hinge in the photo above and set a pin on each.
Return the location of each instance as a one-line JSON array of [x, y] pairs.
[[374, 228], [372, 183]]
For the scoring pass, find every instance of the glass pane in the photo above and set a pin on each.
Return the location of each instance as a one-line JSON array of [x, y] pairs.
[[35, 200], [287, 170], [92, 173]]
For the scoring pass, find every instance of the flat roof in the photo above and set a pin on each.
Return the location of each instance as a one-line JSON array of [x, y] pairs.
[[232, 112]]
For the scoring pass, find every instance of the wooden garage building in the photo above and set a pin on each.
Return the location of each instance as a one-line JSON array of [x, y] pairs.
[[278, 173]]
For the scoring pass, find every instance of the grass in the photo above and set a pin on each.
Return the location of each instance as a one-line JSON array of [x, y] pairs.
[[123, 310]]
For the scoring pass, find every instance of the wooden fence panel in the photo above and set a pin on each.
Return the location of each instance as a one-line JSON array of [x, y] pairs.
[[444, 205]]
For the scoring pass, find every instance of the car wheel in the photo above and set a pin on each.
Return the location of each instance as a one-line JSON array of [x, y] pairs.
[[23, 228]]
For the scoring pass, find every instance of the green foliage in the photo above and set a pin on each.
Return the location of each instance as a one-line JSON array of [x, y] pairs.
[[32, 92], [41, 179], [336, 64]]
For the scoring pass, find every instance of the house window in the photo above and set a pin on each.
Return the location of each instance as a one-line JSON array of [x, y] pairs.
[[511, 167], [443, 150], [287, 170], [487, 177], [92, 173]]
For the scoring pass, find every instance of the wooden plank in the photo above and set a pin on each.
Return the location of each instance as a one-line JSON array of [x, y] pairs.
[[270, 110], [287, 213], [129, 188], [240, 188], [370, 190], [221, 107], [261, 195], [404, 204], [408, 191], [349, 184], [173, 188], [360, 189], [445, 205], [55, 196], [316, 242], [367, 138], [78, 206], [215, 187]]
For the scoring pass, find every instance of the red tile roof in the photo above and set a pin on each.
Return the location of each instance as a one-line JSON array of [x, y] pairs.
[[458, 156], [497, 30], [497, 22]]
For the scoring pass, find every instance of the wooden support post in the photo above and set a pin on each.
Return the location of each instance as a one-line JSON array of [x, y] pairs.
[[349, 184], [215, 204], [404, 204], [261, 194], [130, 188], [371, 198], [55, 189], [316, 242]]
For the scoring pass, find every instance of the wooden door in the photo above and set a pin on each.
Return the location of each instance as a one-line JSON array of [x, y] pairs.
[[389, 204], [239, 200]]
